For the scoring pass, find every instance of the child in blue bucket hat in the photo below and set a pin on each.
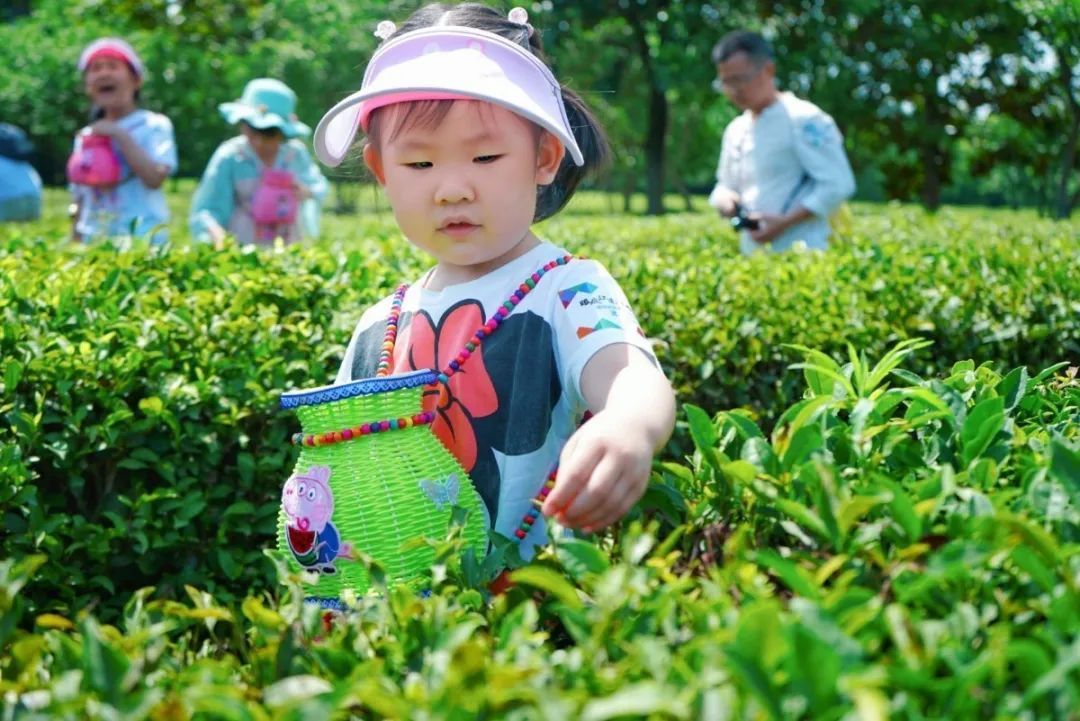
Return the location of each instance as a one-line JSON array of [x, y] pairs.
[[262, 184]]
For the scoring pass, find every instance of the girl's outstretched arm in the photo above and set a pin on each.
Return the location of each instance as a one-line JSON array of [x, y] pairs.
[[604, 467]]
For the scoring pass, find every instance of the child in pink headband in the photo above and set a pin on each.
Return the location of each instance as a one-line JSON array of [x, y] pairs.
[[122, 158], [473, 140]]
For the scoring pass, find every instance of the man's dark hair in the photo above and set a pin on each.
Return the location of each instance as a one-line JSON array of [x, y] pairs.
[[756, 47]]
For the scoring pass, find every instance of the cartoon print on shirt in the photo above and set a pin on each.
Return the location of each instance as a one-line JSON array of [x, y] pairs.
[[469, 393], [501, 401]]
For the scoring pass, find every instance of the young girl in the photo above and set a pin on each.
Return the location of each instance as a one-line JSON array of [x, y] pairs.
[[140, 141], [474, 140], [226, 200]]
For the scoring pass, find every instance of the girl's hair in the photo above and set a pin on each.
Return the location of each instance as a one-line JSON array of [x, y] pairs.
[[551, 198], [271, 132]]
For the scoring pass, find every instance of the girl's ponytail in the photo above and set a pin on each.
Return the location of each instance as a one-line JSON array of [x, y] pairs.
[[550, 199]]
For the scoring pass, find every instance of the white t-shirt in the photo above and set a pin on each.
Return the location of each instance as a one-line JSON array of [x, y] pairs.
[[517, 398], [110, 212], [790, 155]]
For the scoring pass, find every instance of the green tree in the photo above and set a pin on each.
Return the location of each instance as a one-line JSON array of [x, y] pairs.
[[656, 66], [904, 77], [1054, 25]]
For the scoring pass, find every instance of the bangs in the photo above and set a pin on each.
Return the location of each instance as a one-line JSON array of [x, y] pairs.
[[419, 114], [401, 117]]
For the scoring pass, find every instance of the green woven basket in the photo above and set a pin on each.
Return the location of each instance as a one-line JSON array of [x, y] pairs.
[[371, 477]]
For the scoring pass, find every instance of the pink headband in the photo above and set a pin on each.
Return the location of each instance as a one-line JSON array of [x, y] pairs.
[[111, 47]]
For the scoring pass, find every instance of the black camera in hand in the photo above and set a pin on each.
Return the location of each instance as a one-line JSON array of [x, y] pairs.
[[742, 221]]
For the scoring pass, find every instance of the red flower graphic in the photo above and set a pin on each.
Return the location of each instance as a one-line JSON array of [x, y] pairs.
[[471, 393]]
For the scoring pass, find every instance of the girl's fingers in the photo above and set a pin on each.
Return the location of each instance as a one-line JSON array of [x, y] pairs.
[[597, 492], [614, 506], [627, 489], [621, 507], [575, 465]]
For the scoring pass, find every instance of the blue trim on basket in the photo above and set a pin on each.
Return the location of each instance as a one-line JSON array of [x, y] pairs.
[[327, 602], [363, 387]]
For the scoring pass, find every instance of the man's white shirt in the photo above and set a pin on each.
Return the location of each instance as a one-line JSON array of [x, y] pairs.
[[791, 155]]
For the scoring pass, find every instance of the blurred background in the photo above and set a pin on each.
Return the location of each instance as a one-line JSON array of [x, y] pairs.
[[972, 102]]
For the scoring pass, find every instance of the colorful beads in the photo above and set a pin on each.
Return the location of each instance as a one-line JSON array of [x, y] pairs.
[[386, 355], [386, 359], [364, 429], [533, 513]]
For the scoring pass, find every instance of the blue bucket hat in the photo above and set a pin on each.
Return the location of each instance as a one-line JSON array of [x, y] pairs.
[[266, 103]]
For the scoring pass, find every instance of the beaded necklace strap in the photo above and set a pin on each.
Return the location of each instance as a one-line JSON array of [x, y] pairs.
[[329, 438], [386, 356]]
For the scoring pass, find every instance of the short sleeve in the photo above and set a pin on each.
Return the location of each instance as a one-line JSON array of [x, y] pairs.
[[590, 313], [77, 191], [725, 173], [161, 142]]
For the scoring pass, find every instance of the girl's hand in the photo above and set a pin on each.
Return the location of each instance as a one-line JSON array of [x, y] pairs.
[[109, 128], [302, 191], [603, 471], [150, 172]]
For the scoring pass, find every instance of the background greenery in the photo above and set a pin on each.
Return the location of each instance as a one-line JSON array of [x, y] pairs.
[[892, 533], [849, 522], [940, 102]]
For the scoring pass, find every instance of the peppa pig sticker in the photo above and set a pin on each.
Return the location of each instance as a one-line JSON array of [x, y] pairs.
[[309, 505]]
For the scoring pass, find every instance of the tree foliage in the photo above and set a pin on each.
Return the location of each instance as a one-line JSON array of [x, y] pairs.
[[971, 101]]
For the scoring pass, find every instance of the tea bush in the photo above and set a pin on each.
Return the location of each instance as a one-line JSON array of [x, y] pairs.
[[898, 547], [853, 539], [142, 441]]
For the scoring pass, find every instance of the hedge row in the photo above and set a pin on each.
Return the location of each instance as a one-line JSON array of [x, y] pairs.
[[141, 439], [898, 547]]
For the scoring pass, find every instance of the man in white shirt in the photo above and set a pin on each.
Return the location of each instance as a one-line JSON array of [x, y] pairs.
[[782, 168]]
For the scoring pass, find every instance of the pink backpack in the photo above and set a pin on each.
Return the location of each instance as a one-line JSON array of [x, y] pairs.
[[95, 162], [274, 204]]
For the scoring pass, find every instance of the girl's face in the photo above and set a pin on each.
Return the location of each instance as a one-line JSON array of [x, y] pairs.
[[111, 84], [265, 145], [465, 191]]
